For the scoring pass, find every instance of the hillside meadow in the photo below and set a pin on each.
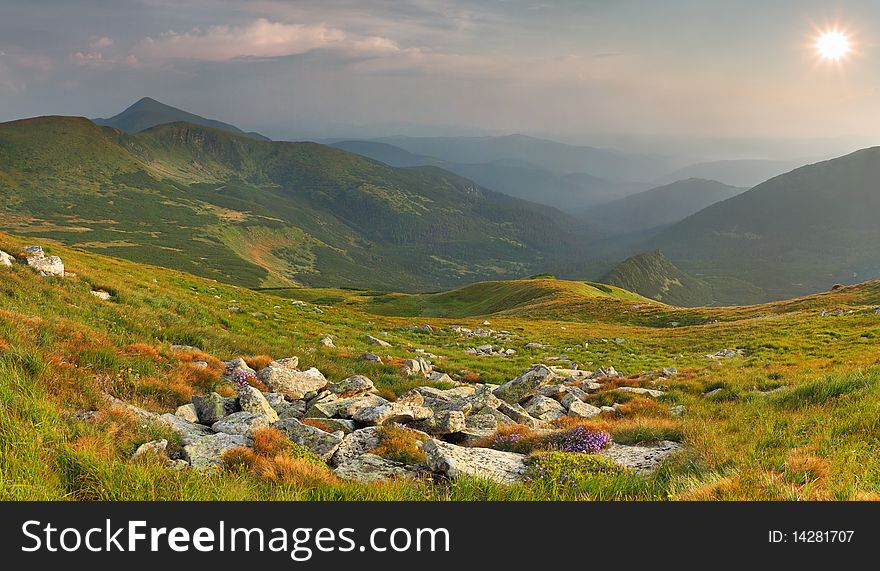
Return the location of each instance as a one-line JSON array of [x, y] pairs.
[[795, 414]]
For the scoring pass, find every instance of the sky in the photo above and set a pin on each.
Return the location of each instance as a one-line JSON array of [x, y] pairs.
[[716, 78]]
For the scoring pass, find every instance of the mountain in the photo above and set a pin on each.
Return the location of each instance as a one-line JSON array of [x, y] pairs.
[[147, 112], [652, 275], [267, 214], [510, 176], [659, 206], [555, 157], [744, 173], [797, 233]]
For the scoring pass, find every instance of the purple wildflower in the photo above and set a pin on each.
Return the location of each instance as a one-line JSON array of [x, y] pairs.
[[581, 440], [241, 378]]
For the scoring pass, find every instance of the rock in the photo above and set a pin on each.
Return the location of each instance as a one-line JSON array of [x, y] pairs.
[[211, 408], [501, 419], [525, 385], [611, 409], [714, 393], [101, 294], [323, 406], [440, 377], [677, 410], [580, 409], [376, 341], [231, 366], [445, 422], [407, 408], [135, 411], [347, 408], [33, 251], [352, 386], [607, 372], [46, 265], [482, 421], [519, 415], [274, 399], [640, 391], [641, 458], [252, 400], [456, 461], [291, 409], [544, 408], [189, 432], [355, 444], [6, 259], [723, 354], [668, 371], [369, 468], [199, 364], [324, 444], [334, 424], [370, 357], [327, 341], [206, 452], [242, 422], [187, 412], [293, 384], [471, 436], [153, 447], [189, 349], [553, 391]]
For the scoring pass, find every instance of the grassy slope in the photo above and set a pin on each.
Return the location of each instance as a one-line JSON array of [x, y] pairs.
[[60, 347], [652, 275], [260, 213]]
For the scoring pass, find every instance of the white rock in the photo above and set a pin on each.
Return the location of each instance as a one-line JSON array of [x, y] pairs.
[[207, 451], [456, 461]]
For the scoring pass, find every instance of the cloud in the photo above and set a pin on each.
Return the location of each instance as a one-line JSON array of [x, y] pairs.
[[261, 38], [100, 43]]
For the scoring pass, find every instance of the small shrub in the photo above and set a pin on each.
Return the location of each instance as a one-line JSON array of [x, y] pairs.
[[569, 469]]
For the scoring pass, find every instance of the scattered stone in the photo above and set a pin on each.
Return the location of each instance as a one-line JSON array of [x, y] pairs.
[[677, 410], [211, 408], [653, 393], [6, 259], [44, 265], [324, 444], [153, 447], [189, 432], [440, 377], [352, 386], [544, 408], [369, 468], [470, 437], [242, 422], [445, 422], [377, 341], [135, 411], [252, 400], [371, 357], [187, 412], [327, 341], [580, 409], [525, 385], [290, 409], [293, 384], [199, 364], [641, 458], [347, 408], [101, 294], [455, 461], [607, 373], [519, 415], [407, 408], [355, 444], [206, 452], [723, 354], [334, 424]]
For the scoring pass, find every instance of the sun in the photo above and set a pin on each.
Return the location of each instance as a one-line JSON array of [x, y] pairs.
[[833, 45]]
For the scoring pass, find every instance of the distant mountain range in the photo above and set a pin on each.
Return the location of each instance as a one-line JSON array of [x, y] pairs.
[[263, 214], [569, 192], [659, 206], [795, 234], [740, 173], [147, 112]]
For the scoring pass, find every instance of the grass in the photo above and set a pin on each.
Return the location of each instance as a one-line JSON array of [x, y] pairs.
[[816, 437]]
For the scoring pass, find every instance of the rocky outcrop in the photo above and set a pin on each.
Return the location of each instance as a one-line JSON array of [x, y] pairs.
[[354, 385], [242, 422], [456, 461], [211, 408], [252, 400], [207, 451], [324, 444], [6, 259], [44, 265], [188, 432], [525, 385], [292, 383], [369, 468], [355, 444], [641, 458], [407, 408]]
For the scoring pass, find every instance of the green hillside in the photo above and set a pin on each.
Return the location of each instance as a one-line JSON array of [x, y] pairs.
[[795, 234], [803, 382], [260, 213], [653, 276]]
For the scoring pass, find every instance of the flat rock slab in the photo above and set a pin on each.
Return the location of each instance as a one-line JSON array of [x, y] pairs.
[[324, 444], [456, 461], [354, 444], [641, 458], [653, 393], [189, 432], [206, 452], [369, 468]]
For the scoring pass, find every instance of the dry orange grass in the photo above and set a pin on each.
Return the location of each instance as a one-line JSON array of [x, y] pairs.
[[803, 468], [257, 362], [400, 445], [269, 441], [303, 473], [144, 350]]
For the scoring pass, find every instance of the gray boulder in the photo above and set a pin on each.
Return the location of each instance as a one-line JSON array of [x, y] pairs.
[[519, 415], [580, 409], [151, 448], [6, 259], [352, 386], [189, 432], [207, 451], [293, 384], [544, 408], [641, 458], [456, 461], [355, 444], [369, 468], [324, 444], [445, 422], [211, 408], [525, 385], [334, 424], [187, 412], [242, 422], [251, 400], [46, 265], [407, 408], [376, 341]]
